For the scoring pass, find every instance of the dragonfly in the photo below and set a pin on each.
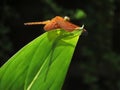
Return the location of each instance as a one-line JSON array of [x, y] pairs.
[[57, 22]]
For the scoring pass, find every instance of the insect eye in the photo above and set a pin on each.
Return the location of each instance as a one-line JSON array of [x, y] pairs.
[[66, 18]]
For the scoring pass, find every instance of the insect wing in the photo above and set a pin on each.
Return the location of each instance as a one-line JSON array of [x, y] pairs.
[[65, 24]]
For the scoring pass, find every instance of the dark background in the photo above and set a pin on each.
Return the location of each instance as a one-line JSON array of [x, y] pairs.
[[96, 61]]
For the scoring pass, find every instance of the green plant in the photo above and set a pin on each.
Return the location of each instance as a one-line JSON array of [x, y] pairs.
[[42, 64]]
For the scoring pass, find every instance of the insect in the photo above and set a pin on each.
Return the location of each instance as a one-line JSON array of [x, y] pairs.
[[56, 23]]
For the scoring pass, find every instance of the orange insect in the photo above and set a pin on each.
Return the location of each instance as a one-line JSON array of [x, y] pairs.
[[56, 23]]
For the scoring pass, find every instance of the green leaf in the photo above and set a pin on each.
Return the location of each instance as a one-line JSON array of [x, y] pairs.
[[79, 14], [42, 64]]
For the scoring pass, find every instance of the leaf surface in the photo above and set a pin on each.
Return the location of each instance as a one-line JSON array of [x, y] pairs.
[[42, 64]]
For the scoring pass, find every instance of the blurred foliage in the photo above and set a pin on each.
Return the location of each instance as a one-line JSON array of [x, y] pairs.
[[96, 63], [5, 44]]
